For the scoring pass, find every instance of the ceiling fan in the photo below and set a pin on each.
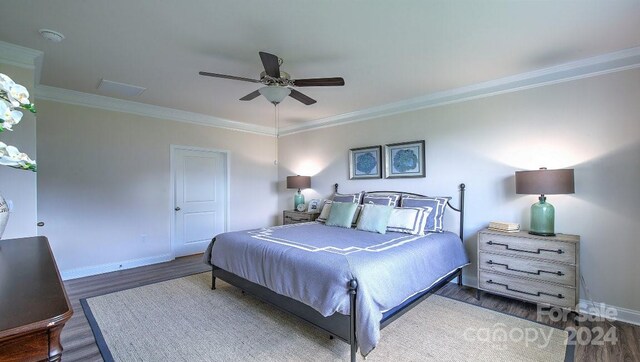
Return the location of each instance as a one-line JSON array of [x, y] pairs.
[[278, 83]]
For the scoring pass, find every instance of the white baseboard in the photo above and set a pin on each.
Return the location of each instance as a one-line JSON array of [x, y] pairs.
[[622, 314], [111, 267]]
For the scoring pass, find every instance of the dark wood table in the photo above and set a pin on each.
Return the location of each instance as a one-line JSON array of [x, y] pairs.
[[33, 303]]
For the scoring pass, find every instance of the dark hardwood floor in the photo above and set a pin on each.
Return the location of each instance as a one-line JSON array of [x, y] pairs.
[[79, 344]]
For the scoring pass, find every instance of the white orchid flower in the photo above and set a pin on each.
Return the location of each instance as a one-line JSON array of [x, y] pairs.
[[18, 95], [9, 116], [11, 156], [14, 119], [4, 108], [5, 82], [12, 96], [8, 156]]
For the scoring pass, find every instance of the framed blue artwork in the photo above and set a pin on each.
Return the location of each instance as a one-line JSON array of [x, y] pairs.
[[404, 159], [365, 163]]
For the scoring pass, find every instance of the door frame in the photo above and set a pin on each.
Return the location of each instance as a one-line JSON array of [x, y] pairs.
[[172, 191]]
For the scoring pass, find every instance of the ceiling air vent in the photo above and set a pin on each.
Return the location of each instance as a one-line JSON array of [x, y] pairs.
[[51, 35], [120, 89]]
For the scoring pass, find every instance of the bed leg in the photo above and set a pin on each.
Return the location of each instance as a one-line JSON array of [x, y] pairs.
[[353, 286], [459, 277], [213, 280]]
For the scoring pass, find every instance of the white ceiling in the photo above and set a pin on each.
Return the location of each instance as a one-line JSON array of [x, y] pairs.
[[386, 51]]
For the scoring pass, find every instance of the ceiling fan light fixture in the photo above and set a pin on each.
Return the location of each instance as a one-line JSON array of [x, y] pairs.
[[274, 94]]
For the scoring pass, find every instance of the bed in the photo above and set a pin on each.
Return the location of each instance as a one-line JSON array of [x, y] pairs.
[[347, 282]]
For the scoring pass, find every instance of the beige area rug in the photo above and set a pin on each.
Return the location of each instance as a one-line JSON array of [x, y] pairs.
[[184, 320]]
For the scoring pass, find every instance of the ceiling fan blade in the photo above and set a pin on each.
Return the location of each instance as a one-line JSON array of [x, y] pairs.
[[301, 97], [250, 96], [318, 82], [271, 64], [228, 77]]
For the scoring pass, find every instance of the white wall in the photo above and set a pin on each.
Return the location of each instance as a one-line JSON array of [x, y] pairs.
[[18, 187], [591, 125], [104, 181]]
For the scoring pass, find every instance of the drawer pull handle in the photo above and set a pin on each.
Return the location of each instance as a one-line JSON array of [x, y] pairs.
[[537, 294], [559, 251], [558, 273]]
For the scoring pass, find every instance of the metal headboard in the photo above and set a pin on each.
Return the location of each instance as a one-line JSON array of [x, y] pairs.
[[459, 209]]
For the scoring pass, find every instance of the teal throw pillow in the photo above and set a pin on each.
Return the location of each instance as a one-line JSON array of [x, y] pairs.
[[374, 218], [341, 214]]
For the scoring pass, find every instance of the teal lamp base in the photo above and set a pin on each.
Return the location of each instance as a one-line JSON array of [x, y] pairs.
[[542, 218], [298, 199]]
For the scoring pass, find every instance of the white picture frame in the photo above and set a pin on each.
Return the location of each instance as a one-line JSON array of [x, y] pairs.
[[313, 206]]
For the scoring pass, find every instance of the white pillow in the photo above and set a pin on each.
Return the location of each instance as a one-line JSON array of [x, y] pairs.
[[354, 222], [324, 213], [409, 220]]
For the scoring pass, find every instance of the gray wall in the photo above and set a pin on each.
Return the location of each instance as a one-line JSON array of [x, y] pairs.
[[591, 125], [104, 181]]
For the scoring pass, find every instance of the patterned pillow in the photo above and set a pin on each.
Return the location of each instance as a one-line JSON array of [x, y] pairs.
[[380, 199], [354, 198], [438, 204], [409, 220]]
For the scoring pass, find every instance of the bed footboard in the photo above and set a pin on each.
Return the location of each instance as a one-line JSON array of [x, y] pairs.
[[338, 325]]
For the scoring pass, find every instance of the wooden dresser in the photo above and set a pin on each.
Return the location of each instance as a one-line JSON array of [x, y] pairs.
[[296, 217], [33, 303], [537, 269]]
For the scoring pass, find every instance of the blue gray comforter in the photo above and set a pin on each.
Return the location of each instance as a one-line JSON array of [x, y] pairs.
[[312, 263]]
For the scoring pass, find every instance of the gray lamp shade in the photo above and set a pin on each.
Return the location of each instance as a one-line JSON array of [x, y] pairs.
[[545, 182], [298, 182]]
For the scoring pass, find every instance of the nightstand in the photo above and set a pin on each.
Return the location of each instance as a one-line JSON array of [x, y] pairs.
[[296, 217], [538, 269]]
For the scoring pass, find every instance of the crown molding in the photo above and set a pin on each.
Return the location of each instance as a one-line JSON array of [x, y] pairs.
[[584, 68], [61, 95], [19, 56], [22, 57]]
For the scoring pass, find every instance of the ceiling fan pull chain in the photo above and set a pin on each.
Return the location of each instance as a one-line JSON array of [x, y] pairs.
[[277, 131]]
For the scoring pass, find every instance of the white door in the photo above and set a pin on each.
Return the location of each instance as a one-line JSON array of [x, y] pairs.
[[200, 198]]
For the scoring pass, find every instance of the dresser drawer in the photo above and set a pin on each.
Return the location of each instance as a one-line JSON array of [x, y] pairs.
[[295, 217], [557, 251], [533, 291], [529, 268]]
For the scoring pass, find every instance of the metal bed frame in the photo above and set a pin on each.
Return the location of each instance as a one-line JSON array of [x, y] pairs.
[[339, 325]]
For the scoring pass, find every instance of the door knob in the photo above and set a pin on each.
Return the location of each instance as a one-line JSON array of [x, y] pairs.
[[177, 208], [40, 223]]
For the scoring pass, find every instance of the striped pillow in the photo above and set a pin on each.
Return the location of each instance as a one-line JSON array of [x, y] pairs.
[[324, 213], [409, 220], [438, 204], [378, 199], [355, 198]]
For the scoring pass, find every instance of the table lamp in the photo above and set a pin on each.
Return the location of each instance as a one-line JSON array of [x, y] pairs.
[[544, 182], [298, 182]]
